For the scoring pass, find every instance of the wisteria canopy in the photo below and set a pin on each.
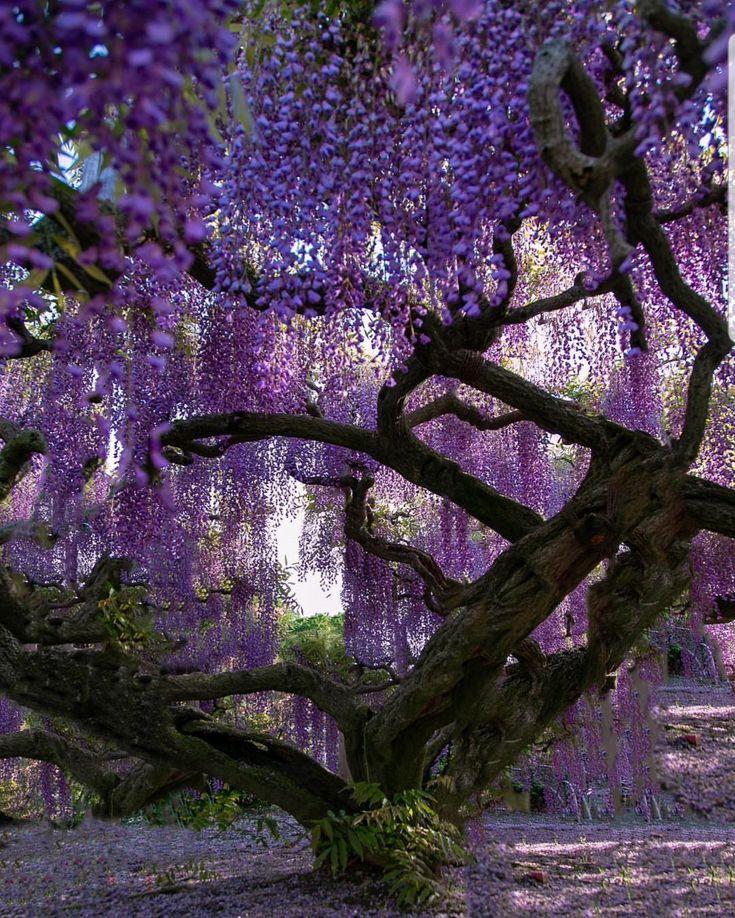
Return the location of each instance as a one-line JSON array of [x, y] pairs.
[[445, 278]]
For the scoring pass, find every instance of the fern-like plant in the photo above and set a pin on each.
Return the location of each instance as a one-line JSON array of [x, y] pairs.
[[404, 835]]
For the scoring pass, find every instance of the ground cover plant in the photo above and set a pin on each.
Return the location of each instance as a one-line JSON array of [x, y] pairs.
[[446, 280]]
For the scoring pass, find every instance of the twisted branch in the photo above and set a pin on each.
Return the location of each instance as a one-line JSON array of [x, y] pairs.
[[406, 455], [450, 403]]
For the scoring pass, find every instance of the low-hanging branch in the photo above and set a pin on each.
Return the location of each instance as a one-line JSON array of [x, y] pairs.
[[120, 699], [409, 457], [44, 746], [710, 506], [559, 416], [292, 678]]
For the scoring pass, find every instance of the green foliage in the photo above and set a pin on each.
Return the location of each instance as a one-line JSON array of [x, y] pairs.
[[537, 797], [674, 660], [404, 835], [403, 524], [317, 639], [174, 876], [584, 392], [124, 619], [214, 808], [82, 800], [14, 799]]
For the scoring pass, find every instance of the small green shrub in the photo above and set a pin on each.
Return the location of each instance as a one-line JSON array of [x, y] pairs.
[[214, 808], [538, 797], [404, 835]]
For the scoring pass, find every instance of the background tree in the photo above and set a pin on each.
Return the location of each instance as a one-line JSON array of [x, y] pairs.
[[458, 270]]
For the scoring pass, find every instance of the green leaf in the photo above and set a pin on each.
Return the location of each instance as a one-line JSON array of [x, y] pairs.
[[60, 266], [33, 280], [240, 108], [334, 858], [67, 227], [343, 853], [272, 826], [98, 274], [356, 844]]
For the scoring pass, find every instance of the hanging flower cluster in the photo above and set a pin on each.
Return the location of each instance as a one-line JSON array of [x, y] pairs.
[[131, 87]]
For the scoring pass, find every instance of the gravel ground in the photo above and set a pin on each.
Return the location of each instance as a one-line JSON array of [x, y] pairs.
[[695, 752], [527, 865]]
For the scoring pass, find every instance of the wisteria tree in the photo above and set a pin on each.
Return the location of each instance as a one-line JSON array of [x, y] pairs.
[[450, 277]]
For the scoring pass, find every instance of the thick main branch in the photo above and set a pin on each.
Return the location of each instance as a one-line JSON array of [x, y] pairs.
[[409, 457], [331, 697]]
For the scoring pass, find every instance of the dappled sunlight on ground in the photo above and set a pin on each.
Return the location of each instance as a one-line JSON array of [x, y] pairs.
[[701, 778], [603, 869]]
